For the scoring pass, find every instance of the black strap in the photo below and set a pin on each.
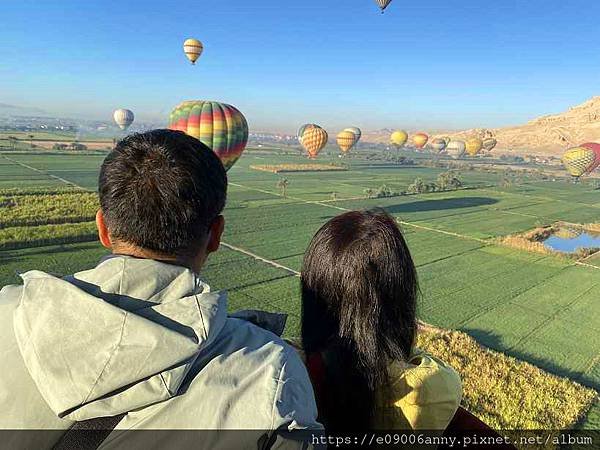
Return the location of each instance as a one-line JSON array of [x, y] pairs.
[[88, 434]]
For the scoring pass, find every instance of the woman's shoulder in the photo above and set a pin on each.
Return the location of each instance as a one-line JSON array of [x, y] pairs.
[[425, 379]]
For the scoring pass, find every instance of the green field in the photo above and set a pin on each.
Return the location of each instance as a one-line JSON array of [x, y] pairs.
[[537, 308]]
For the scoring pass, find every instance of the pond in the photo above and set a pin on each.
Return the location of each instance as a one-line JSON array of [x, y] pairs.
[[569, 240]]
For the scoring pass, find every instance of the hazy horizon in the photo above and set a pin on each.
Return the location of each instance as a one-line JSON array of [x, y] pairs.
[[437, 64]]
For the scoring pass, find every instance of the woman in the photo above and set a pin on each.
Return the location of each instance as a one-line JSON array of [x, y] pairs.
[[359, 298]]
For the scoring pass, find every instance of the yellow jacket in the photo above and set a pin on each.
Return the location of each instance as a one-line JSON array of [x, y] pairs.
[[424, 394]]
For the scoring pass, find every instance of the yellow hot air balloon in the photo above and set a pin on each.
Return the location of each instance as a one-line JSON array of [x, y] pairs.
[[313, 140], [399, 138], [473, 146], [346, 140], [193, 48], [420, 139], [578, 160]]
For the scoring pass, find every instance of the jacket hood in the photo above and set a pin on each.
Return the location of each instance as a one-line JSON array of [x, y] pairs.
[[115, 338]]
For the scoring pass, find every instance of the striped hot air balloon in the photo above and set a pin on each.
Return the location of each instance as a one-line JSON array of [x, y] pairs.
[[346, 140], [399, 138], [313, 140], [456, 148], [123, 118], [474, 145], [596, 149], [578, 160], [420, 139], [220, 126], [489, 144], [193, 48], [356, 132], [438, 145], [383, 4]]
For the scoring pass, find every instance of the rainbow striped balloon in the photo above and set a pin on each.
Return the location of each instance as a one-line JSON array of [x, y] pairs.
[[219, 126]]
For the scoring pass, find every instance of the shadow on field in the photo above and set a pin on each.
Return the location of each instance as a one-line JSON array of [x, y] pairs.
[[493, 341], [441, 204]]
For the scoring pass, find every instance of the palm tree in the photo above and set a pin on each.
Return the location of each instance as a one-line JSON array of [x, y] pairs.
[[369, 193], [283, 184], [334, 196], [31, 136]]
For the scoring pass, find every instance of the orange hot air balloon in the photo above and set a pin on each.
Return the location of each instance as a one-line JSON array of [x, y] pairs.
[[420, 139], [346, 140], [313, 140]]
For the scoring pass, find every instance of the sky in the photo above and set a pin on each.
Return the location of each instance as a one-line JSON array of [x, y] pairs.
[[445, 64]]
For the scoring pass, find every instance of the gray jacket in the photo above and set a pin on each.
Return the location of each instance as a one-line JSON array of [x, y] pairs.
[[148, 339]]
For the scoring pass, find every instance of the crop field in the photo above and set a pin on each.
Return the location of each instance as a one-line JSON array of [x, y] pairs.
[[540, 309]]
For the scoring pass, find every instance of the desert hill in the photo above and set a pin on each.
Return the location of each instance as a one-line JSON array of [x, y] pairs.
[[547, 135]]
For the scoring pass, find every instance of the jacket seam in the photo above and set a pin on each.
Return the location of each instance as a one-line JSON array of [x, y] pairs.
[[109, 358], [201, 316], [278, 390]]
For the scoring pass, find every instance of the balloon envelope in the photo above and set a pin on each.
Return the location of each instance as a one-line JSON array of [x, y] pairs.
[[383, 4], [489, 144], [346, 140], [438, 145], [193, 48], [420, 139], [356, 132], [223, 128], [596, 149], [399, 138], [456, 148], [123, 118], [473, 146], [313, 140], [302, 129], [578, 160]]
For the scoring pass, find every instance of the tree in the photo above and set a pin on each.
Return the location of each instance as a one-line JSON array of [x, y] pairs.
[[369, 193], [417, 187], [13, 141], [334, 196], [282, 185], [31, 136]]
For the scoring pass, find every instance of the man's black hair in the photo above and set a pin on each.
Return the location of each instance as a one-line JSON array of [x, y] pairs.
[[161, 190]]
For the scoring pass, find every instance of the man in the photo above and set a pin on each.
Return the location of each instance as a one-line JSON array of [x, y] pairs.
[[140, 339]]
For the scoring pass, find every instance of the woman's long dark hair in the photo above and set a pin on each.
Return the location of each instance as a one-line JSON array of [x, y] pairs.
[[359, 294]]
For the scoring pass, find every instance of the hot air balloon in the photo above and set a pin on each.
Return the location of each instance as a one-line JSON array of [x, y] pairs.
[[123, 118], [313, 140], [346, 140], [456, 148], [356, 132], [438, 145], [447, 140], [399, 138], [474, 145], [596, 149], [578, 160], [193, 48], [220, 126], [383, 4], [302, 129], [420, 139], [489, 144]]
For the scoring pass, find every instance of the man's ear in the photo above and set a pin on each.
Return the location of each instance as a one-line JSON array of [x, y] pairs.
[[103, 230], [214, 234]]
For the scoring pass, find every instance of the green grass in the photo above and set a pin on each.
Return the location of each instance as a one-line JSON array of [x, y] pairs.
[[534, 307]]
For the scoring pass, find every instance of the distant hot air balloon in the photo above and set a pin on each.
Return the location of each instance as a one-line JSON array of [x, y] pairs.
[[193, 48], [420, 139], [489, 144], [313, 140], [346, 140], [578, 160], [399, 138], [356, 132], [302, 129], [474, 145], [438, 145], [596, 149], [383, 4], [123, 118], [220, 126], [456, 148]]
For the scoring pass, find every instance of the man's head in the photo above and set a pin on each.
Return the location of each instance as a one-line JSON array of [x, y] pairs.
[[161, 196]]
